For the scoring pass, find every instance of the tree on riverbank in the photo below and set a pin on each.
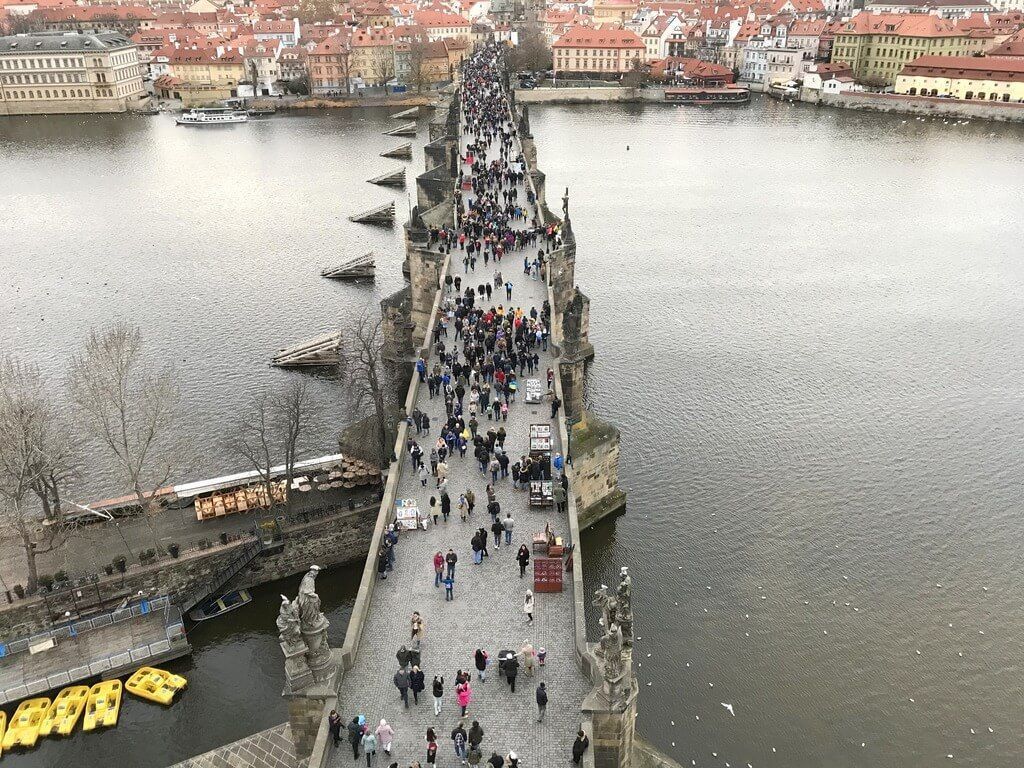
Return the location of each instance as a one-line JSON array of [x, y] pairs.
[[36, 459], [363, 370], [130, 407], [270, 431], [532, 53]]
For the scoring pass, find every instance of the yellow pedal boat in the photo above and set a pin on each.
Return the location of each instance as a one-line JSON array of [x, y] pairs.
[[23, 730], [155, 684], [65, 710], [3, 729], [103, 705]]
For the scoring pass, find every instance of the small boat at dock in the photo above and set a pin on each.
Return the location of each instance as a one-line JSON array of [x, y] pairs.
[[62, 716], [23, 730], [155, 685], [697, 96], [103, 705], [214, 116], [218, 607]]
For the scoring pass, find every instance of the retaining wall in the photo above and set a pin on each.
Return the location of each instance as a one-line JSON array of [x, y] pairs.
[[336, 538], [926, 105]]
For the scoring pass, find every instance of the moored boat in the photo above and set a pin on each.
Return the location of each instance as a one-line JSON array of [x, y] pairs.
[[223, 604], [23, 730], [103, 705], [3, 729], [63, 714], [155, 685], [728, 94], [216, 116]]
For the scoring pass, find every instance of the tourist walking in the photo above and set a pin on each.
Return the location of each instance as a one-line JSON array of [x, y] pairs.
[[434, 509], [508, 523], [385, 735], [449, 588], [542, 701], [401, 680], [416, 683], [369, 746], [437, 689], [512, 672], [431, 752], [438, 568], [459, 739], [334, 726], [416, 629], [528, 606], [495, 760], [496, 529], [480, 661], [580, 746], [463, 695], [523, 556], [403, 656], [355, 736], [450, 560], [476, 735]]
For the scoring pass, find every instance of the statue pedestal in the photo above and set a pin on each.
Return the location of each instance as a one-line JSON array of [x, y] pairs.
[[319, 657], [297, 673], [613, 721], [309, 705]]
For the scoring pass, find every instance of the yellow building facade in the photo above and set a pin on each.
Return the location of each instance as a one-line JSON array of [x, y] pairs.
[[878, 46], [969, 78]]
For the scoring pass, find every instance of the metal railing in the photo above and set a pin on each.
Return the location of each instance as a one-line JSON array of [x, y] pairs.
[[174, 634]]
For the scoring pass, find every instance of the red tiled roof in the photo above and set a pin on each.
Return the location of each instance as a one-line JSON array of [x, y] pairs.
[[1012, 46], [1003, 69], [906, 25], [586, 37]]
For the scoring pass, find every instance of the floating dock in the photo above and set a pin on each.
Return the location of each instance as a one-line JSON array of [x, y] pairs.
[[382, 214], [390, 179], [323, 350], [409, 129], [405, 114], [353, 269], [106, 645], [403, 152]]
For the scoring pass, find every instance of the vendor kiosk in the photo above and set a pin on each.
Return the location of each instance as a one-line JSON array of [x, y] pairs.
[[534, 391], [407, 514], [542, 490]]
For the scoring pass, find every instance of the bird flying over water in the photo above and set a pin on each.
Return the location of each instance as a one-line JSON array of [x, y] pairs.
[[729, 707]]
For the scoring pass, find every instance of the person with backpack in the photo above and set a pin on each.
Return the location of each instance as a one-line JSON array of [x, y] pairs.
[[459, 740], [480, 661]]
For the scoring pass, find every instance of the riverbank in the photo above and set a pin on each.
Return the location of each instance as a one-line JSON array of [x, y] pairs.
[[351, 102]]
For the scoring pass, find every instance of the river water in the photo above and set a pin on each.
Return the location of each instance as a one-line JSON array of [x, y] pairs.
[[808, 328]]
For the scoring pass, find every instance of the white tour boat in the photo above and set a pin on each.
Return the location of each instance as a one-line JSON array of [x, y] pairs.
[[212, 117]]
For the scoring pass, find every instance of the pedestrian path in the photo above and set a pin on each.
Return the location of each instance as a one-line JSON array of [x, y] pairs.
[[487, 610]]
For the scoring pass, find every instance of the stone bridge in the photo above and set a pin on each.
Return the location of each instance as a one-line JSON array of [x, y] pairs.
[[590, 685]]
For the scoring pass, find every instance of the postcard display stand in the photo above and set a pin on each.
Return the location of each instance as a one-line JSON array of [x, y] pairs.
[[547, 574]]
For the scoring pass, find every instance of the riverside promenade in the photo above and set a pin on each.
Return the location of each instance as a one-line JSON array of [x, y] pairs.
[[487, 610]]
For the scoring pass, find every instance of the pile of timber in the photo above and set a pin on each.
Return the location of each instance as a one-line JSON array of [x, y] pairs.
[[390, 179], [409, 129], [382, 214], [353, 269], [323, 350], [406, 113], [403, 152]]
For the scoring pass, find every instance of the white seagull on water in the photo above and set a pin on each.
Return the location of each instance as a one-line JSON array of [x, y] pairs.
[[729, 707]]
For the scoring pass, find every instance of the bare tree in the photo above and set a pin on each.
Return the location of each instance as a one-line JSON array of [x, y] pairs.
[[532, 52], [128, 407], [382, 64], [35, 459], [271, 431], [418, 75], [253, 70], [363, 369]]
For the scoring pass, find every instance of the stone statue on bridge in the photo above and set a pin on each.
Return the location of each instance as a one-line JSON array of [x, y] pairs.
[[624, 598], [314, 626]]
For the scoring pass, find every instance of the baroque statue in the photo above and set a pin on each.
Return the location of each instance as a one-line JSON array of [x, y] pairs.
[[624, 600], [288, 623], [311, 618]]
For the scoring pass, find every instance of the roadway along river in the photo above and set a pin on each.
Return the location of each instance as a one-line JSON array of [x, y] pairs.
[[808, 327]]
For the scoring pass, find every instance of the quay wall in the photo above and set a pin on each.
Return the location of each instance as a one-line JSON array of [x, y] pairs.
[[926, 105], [580, 95], [337, 537]]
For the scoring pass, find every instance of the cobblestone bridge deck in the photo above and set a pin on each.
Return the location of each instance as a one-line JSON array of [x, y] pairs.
[[487, 610]]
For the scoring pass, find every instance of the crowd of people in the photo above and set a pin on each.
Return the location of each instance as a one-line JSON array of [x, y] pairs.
[[479, 352]]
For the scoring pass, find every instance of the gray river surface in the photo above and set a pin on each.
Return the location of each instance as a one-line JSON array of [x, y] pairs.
[[808, 327]]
